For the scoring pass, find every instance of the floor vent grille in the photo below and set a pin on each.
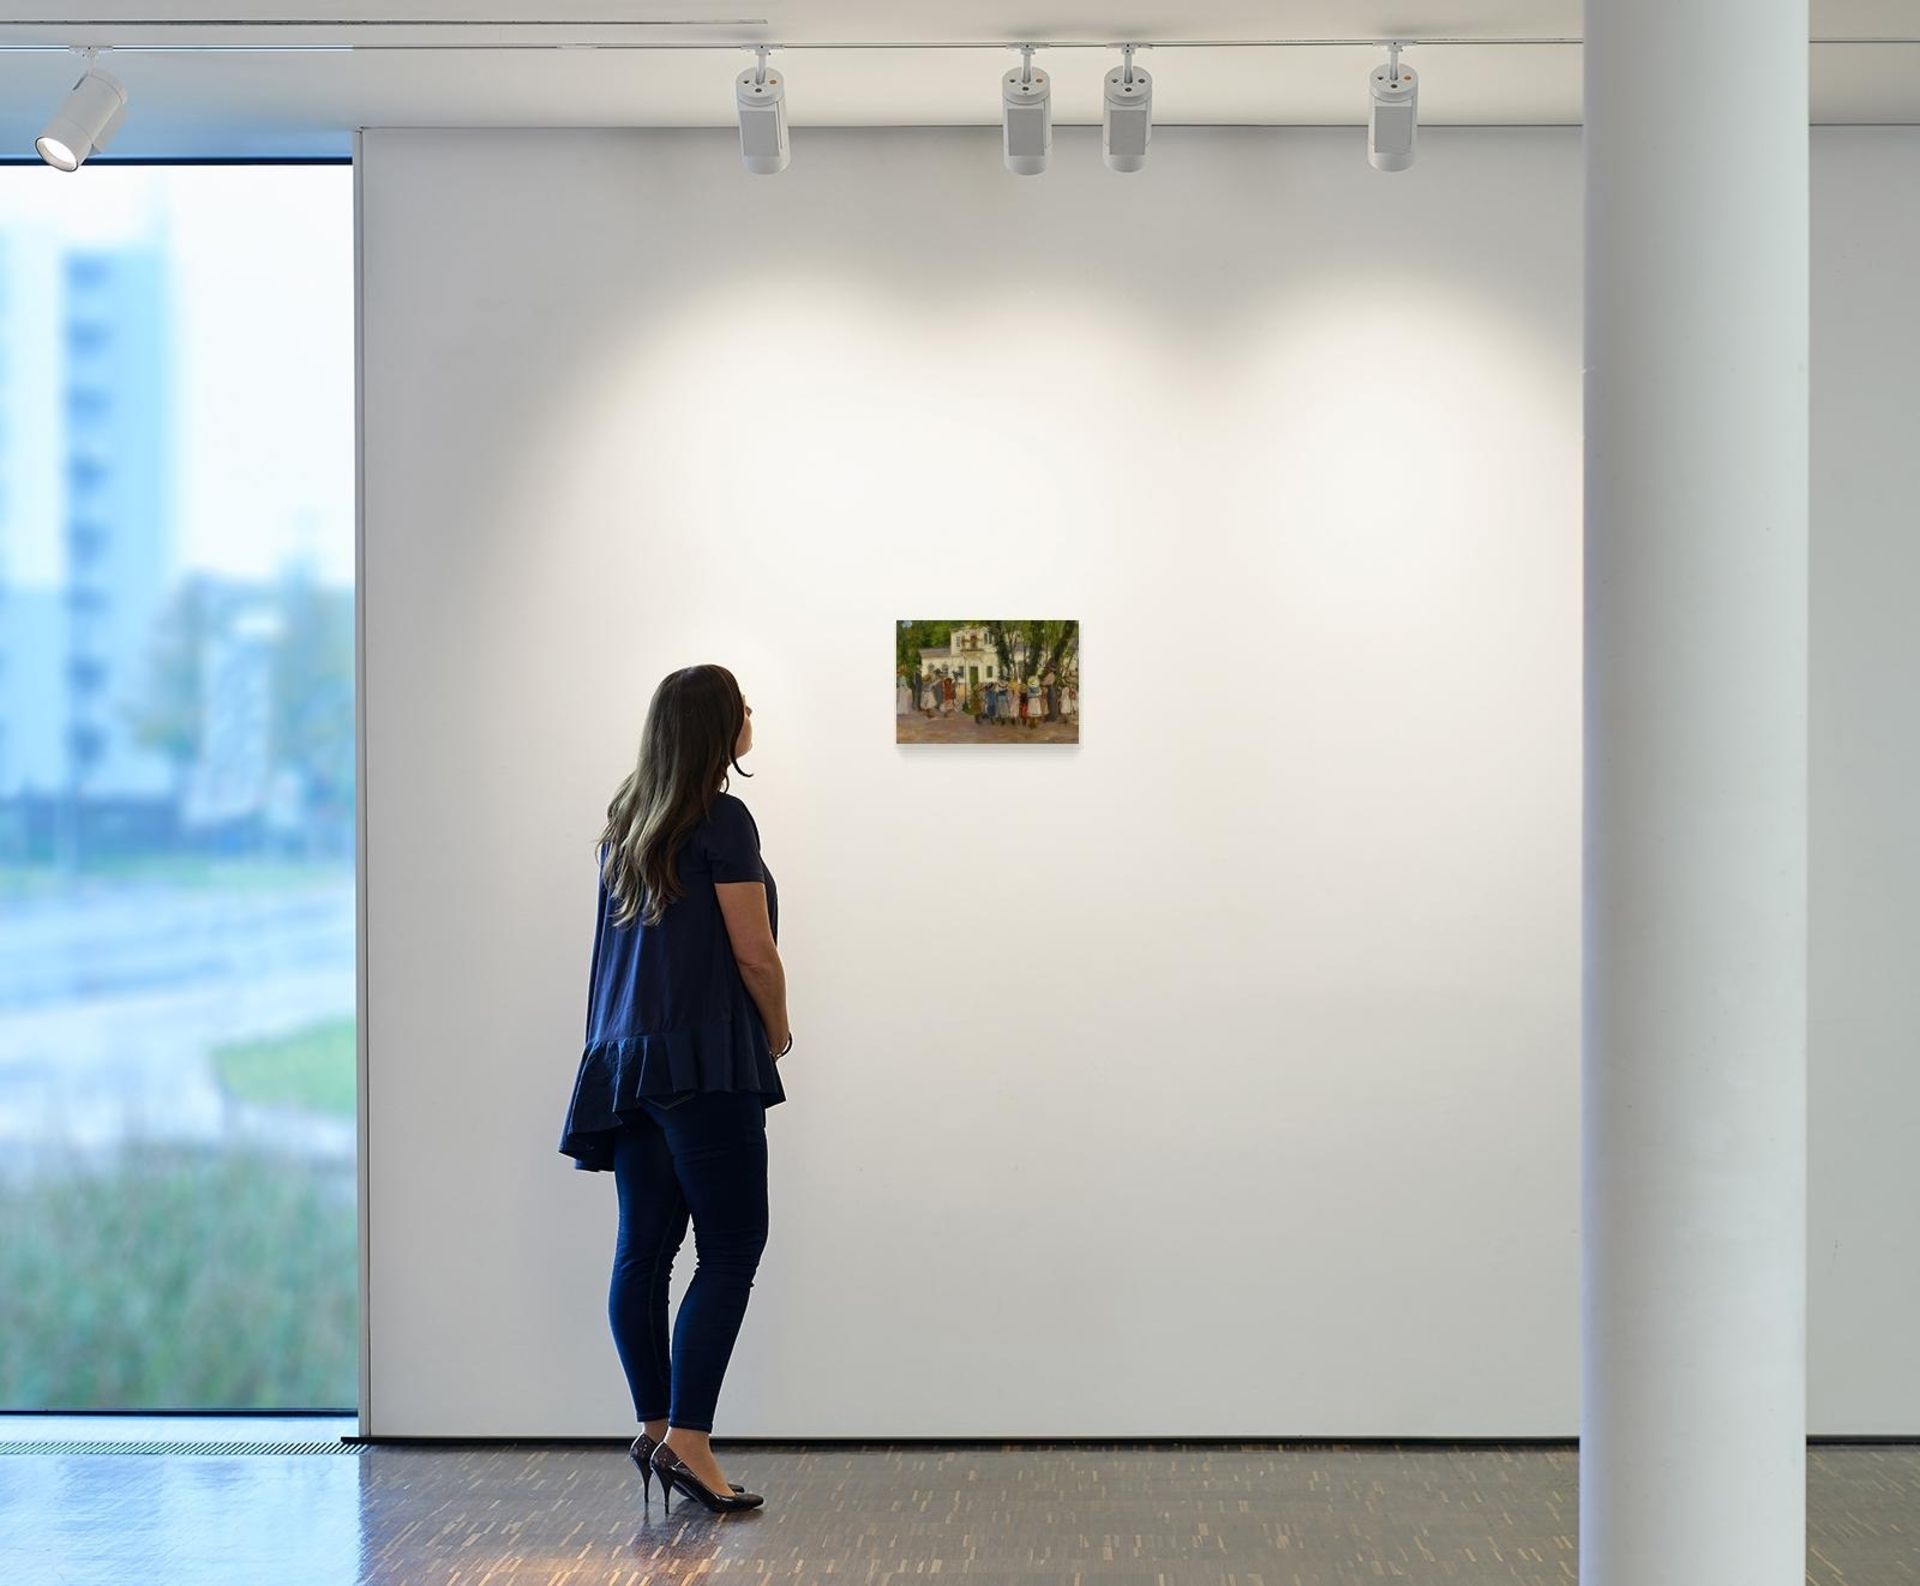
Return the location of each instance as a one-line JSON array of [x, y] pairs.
[[134, 1446]]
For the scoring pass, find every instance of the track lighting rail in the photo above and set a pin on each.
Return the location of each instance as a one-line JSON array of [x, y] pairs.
[[354, 26]]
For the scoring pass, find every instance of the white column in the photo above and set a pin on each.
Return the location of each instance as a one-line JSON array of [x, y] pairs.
[[1693, 1276]]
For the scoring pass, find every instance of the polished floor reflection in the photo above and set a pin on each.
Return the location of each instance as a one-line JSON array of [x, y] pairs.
[[1102, 1515]]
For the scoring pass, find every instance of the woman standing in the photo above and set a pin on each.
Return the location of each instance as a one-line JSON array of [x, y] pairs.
[[1036, 703], [902, 696], [686, 1021]]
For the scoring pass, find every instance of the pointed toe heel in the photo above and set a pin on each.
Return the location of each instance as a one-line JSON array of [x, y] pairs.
[[673, 1473], [640, 1451]]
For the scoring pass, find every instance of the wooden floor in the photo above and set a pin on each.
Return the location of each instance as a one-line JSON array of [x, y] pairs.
[[1105, 1515]]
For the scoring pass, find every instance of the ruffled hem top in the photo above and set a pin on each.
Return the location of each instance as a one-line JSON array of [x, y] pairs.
[[668, 1015]]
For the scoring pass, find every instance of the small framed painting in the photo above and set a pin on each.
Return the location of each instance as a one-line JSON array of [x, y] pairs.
[[1011, 682]]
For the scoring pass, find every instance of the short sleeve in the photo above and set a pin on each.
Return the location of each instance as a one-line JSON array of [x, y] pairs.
[[733, 842]]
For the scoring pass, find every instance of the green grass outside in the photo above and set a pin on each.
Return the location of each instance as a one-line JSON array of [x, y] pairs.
[[315, 1068], [180, 1280]]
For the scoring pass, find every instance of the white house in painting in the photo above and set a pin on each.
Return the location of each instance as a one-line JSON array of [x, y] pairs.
[[969, 653]]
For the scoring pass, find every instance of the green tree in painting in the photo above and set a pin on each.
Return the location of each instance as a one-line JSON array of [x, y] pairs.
[[1043, 647], [913, 637]]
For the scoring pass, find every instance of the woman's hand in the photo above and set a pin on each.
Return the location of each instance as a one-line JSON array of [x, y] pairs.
[[743, 906]]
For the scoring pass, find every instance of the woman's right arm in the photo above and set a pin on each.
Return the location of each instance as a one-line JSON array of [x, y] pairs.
[[743, 905]]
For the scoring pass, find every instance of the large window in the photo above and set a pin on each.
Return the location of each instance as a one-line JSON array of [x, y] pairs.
[[177, 1183]]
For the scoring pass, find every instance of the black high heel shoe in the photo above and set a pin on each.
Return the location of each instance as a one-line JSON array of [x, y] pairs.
[[640, 1453], [673, 1473]]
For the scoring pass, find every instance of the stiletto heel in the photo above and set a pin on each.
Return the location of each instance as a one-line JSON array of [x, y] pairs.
[[674, 1473], [640, 1451]]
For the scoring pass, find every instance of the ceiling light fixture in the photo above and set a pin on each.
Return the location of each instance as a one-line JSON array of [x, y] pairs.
[[1026, 116], [86, 122], [1127, 123], [761, 98], [1395, 92]]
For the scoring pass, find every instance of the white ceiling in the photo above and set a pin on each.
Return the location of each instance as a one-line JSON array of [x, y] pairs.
[[573, 63]]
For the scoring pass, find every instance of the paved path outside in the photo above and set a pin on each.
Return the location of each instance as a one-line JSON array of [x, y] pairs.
[[110, 1010]]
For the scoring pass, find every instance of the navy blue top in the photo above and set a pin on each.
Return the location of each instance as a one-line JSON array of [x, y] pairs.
[[667, 1012]]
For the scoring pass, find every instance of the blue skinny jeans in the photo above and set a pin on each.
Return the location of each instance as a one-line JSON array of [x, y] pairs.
[[704, 1157]]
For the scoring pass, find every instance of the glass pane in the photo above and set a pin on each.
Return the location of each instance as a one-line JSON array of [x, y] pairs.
[[177, 1020]]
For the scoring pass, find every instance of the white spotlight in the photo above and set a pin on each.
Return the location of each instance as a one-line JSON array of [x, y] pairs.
[[761, 98], [87, 121], [1026, 115], [1128, 119], [1395, 91]]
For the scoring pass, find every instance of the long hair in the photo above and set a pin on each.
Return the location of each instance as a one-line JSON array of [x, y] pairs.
[[693, 726]]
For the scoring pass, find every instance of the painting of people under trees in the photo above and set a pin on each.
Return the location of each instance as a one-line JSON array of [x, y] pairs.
[[986, 682]]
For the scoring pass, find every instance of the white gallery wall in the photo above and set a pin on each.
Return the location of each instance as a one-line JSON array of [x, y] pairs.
[[1218, 1076]]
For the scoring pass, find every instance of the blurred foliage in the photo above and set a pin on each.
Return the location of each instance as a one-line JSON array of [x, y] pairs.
[[313, 691], [166, 717], [312, 669], [178, 1279]]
